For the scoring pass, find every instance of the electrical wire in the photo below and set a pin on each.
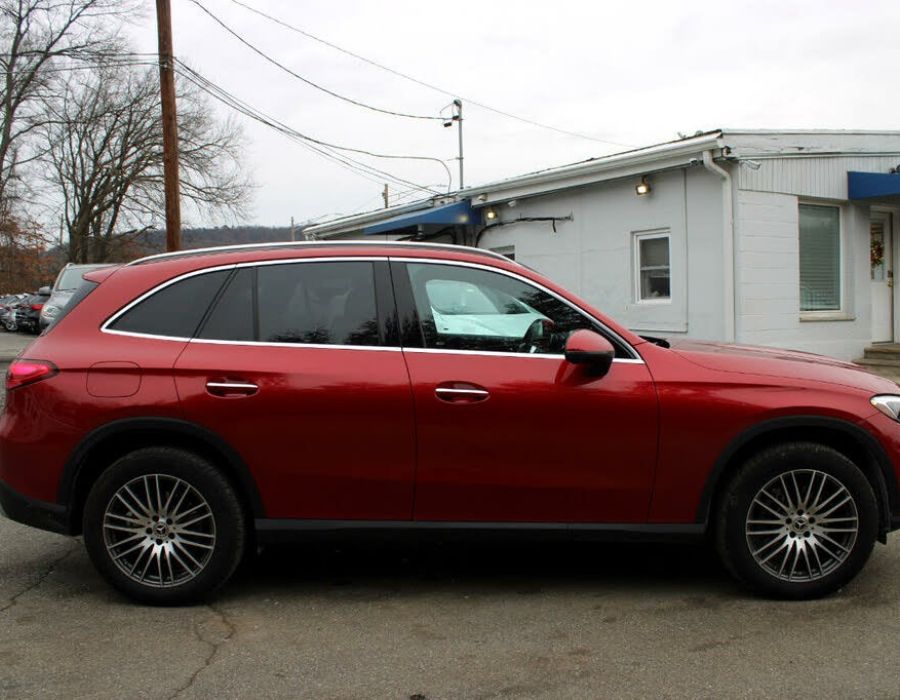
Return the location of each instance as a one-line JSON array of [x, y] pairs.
[[430, 86], [323, 148], [236, 103], [359, 168], [85, 66], [309, 82]]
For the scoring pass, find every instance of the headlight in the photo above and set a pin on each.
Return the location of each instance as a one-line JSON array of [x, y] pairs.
[[888, 404]]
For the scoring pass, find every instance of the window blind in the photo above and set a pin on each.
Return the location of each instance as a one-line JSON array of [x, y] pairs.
[[820, 258]]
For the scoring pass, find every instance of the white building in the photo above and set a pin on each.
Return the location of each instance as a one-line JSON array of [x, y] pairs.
[[782, 238]]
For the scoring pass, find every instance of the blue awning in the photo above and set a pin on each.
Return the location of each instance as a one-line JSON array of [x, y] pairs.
[[873, 186], [460, 213]]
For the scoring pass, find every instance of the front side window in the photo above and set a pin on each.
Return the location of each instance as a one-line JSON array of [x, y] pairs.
[[463, 308], [327, 303], [654, 274], [820, 258], [174, 311]]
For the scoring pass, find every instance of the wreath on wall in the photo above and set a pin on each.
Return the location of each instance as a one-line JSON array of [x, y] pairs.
[[876, 253]]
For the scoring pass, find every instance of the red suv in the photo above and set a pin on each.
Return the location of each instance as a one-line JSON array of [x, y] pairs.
[[189, 404]]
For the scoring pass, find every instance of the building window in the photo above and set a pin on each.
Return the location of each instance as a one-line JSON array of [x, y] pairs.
[[820, 258], [653, 280]]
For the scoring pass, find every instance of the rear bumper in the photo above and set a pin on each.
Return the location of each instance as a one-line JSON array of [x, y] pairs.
[[28, 511]]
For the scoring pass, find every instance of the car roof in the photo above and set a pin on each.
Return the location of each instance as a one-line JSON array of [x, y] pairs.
[[324, 247]]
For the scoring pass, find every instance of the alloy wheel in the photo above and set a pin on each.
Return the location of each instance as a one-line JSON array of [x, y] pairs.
[[159, 530], [802, 525]]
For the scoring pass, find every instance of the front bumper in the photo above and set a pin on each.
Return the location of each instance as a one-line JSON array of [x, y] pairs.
[[28, 511]]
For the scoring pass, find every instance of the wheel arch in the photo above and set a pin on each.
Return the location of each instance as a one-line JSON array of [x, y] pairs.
[[847, 438], [101, 447]]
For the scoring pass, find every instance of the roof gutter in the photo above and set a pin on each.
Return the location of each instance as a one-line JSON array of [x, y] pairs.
[[677, 154], [728, 261]]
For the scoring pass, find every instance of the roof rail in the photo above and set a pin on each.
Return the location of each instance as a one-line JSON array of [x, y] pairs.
[[322, 244]]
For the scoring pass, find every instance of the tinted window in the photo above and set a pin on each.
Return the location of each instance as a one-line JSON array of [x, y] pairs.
[[329, 303], [463, 308], [175, 310], [232, 317]]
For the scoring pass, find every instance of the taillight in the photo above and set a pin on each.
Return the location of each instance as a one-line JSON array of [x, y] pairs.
[[22, 372], [37, 307]]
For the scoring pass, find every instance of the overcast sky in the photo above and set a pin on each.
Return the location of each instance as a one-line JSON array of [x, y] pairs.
[[626, 74]]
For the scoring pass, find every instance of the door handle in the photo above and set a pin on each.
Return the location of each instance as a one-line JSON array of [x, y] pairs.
[[231, 388], [461, 392]]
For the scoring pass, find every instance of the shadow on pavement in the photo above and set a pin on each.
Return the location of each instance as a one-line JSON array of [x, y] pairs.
[[521, 567]]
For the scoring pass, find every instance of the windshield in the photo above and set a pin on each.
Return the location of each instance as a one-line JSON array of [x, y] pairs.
[[457, 298]]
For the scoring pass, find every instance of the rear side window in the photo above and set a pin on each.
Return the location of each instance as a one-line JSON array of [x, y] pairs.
[[232, 318], [327, 303], [174, 311]]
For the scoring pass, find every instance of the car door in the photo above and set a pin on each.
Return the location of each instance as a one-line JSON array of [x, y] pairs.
[[507, 430], [297, 369]]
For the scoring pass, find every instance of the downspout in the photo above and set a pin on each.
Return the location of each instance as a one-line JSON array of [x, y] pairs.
[[728, 261]]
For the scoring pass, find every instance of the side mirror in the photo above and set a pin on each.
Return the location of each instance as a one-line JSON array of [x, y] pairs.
[[585, 347], [44, 290]]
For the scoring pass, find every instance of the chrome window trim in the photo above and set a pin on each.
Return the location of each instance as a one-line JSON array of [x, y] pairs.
[[104, 328], [525, 280], [523, 355], [315, 346]]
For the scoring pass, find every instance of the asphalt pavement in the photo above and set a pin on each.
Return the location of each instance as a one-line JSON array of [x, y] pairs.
[[11, 344], [444, 620]]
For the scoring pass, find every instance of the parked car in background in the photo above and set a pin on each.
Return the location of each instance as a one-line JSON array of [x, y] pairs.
[[28, 311], [188, 405], [8, 310], [67, 281]]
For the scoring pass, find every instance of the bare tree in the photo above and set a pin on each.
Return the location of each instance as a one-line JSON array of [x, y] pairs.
[[39, 40], [103, 141]]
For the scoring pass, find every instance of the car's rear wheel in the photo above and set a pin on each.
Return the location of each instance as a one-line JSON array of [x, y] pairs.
[[798, 520], [164, 526]]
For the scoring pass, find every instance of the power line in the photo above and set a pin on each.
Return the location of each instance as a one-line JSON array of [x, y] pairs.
[[430, 86], [323, 148], [362, 169], [236, 103], [309, 82]]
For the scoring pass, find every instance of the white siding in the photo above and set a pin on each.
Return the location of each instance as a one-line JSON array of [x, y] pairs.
[[592, 255], [822, 177], [768, 284]]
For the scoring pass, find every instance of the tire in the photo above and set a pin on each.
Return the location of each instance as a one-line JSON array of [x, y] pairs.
[[806, 500], [174, 560]]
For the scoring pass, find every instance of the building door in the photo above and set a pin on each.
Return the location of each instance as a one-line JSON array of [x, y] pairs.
[[882, 266]]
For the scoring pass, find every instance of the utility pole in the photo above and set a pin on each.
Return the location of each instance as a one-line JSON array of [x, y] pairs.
[[457, 118], [170, 125], [458, 104], [385, 195]]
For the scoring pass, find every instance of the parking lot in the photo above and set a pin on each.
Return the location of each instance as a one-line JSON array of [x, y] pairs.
[[441, 619], [444, 620]]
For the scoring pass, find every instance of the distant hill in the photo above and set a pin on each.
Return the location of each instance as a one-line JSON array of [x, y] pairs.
[[47, 263], [155, 241]]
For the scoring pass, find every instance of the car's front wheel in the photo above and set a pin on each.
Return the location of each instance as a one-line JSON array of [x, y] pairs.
[[164, 526], [798, 520]]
